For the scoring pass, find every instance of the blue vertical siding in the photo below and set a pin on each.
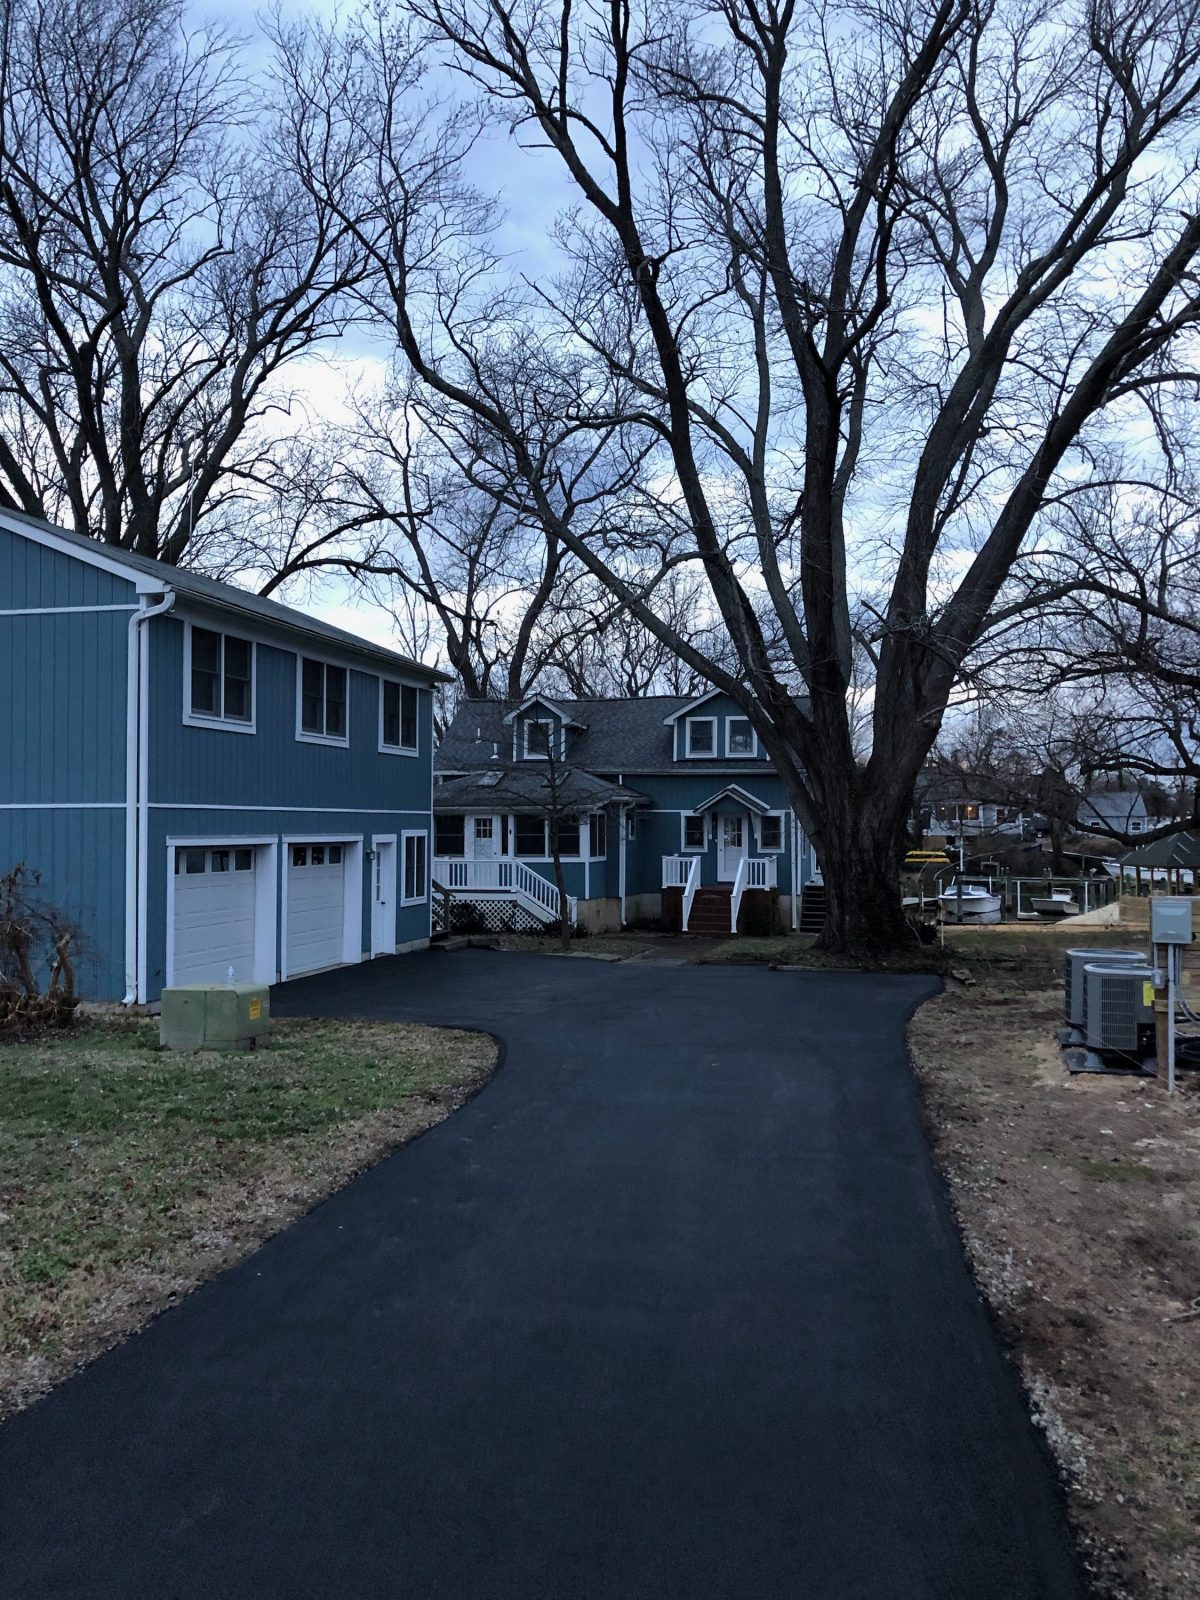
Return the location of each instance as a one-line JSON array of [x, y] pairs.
[[32, 575], [63, 707], [62, 733], [80, 855]]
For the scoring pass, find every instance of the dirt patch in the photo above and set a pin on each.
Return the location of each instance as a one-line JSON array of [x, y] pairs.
[[1079, 1199], [129, 1175]]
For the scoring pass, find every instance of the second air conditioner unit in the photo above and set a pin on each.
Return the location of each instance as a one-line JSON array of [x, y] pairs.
[[1119, 1007], [1074, 961]]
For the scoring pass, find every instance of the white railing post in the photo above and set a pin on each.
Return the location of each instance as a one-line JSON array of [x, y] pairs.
[[735, 899], [689, 889]]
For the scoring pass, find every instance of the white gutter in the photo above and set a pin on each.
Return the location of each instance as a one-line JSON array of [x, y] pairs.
[[137, 678]]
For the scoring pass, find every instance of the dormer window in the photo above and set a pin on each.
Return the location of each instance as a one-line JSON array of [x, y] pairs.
[[701, 736], [537, 739], [740, 739]]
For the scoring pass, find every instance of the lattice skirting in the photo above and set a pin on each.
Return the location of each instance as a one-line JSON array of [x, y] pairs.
[[483, 916]]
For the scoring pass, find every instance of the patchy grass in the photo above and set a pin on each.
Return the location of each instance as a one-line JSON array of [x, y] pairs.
[[1080, 1204], [128, 1174]]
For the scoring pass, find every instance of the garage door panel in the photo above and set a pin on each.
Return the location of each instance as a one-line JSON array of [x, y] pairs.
[[316, 907], [214, 921]]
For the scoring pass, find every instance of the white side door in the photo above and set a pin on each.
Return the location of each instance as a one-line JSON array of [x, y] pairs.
[[731, 845], [383, 896]]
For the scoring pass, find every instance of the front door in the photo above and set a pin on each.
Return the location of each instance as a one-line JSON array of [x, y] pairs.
[[383, 897], [731, 845], [486, 842], [814, 866]]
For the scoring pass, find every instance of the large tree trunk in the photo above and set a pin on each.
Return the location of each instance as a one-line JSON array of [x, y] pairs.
[[860, 837], [862, 893]]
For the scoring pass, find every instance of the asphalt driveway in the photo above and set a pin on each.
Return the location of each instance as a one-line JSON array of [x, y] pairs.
[[673, 1310]]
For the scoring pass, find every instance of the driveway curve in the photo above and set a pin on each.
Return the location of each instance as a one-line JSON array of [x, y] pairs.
[[673, 1310]]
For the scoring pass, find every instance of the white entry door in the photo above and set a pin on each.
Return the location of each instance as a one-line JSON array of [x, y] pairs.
[[814, 866], [383, 897], [213, 915], [316, 907], [485, 837], [731, 845]]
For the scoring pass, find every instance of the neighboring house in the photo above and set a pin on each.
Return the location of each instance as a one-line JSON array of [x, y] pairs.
[[1122, 809], [665, 806], [206, 781]]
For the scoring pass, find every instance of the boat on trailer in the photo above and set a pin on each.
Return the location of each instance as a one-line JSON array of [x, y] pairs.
[[969, 903], [1058, 903]]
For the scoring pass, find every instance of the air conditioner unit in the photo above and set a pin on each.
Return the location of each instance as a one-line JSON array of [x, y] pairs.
[[1118, 1012], [1074, 961]]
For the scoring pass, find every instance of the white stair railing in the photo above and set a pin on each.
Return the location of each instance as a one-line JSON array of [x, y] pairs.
[[682, 872], [689, 889], [761, 873], [504, 875], [735, 899]]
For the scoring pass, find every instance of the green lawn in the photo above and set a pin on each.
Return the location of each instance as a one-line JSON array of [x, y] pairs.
[[127, 1173]]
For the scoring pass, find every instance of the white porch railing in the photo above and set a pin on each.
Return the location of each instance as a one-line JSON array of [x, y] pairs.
[[754, 872], [504, 875], [682, 872]]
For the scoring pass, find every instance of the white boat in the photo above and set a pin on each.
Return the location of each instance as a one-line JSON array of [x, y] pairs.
[[970, 902], [1058, 903]]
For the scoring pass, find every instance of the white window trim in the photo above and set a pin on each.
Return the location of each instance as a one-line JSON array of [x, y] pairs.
[[586, 837], [738, 754], [700, 755], [197, 719], [692, 849], [320, 738], [769, 850], [541, 722], [406, 835], [393, 749]]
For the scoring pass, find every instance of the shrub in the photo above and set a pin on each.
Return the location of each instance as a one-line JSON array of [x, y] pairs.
[[35, 938]]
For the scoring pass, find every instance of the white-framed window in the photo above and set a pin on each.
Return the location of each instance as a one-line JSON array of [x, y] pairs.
[[538, 733], [192, 861], [694, 831], [770, 833], [322, 701], [740, 737], [700, 736], [316, 855], [529, 835], [416, 875], [450, 835], [398, 718], [218, 679], [597, 835]]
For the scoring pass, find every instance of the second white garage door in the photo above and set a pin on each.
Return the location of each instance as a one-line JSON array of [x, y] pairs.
[[316, 902]]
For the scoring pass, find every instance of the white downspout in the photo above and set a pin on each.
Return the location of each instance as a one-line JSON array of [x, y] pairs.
[[136, 792], [622, 824], [795, 869]]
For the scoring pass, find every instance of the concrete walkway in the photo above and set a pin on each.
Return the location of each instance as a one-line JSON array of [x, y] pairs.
[[673, 1310]]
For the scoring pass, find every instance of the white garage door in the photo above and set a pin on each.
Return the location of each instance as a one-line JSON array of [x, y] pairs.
[[214, 915], [315, 906]]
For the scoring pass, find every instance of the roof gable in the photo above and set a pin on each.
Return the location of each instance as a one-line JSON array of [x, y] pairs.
[[153, 577]]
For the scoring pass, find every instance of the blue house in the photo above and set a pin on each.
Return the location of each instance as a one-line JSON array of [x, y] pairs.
[[209, 783], [665, 809]]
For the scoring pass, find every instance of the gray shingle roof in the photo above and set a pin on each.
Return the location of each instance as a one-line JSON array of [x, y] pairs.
[[228, 597], [618, 736], [517, 788]]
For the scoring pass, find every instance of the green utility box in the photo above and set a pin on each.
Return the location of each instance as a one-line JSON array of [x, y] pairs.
[[215, 1016]]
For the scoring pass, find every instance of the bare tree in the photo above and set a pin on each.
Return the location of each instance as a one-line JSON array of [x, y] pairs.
[[875, 279], [161, 267]]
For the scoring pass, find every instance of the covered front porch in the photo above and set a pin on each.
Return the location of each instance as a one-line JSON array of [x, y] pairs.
[[733, 843]]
